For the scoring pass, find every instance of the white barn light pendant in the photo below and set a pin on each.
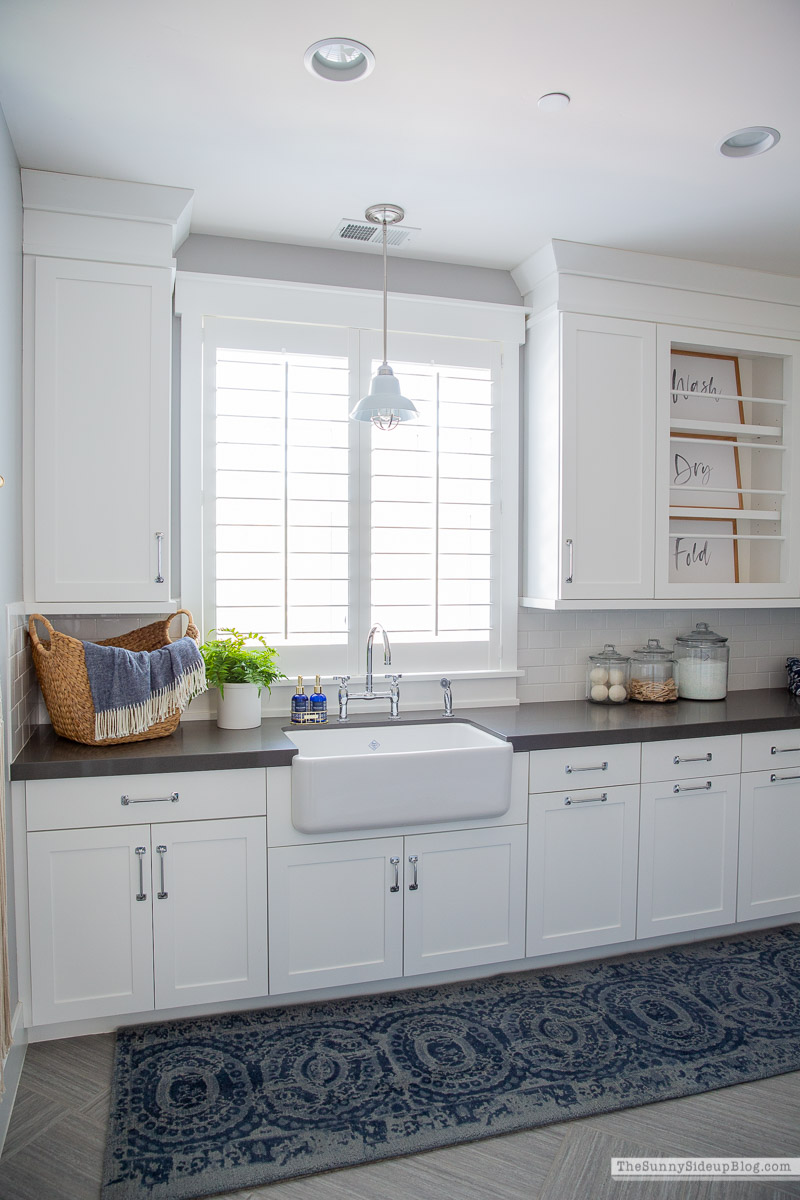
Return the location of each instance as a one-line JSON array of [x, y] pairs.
[[384, 406]]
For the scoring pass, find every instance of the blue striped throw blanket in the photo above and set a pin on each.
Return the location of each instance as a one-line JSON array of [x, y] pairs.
[[132, 690]]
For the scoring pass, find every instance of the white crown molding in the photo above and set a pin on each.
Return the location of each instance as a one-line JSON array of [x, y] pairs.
[[629, 266], [105, 219]]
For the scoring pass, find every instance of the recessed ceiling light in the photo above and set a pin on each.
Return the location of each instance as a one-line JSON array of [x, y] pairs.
[[753, 140], [340, 60], [554, 102]]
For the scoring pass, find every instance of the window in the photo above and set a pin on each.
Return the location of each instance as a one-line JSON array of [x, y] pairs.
[[315, 526]]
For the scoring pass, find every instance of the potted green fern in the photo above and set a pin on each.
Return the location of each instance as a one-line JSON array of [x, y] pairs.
[[240, 671]]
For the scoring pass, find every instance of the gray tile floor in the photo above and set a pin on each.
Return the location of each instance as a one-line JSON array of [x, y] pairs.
[[54, 1148]]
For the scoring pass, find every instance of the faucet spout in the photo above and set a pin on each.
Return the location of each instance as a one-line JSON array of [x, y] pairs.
[[387, 652]]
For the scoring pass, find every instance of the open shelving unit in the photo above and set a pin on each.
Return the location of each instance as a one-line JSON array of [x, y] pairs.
[[731, 537]]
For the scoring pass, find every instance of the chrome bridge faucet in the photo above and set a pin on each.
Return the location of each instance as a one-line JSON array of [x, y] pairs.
[[393, 694]]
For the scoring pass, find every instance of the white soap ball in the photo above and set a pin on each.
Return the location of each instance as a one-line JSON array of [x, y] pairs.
[[600, 691], [617, 692], [616, 675], [598, 675]]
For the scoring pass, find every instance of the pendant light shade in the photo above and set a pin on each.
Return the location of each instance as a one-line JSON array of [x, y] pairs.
[[384, 405]]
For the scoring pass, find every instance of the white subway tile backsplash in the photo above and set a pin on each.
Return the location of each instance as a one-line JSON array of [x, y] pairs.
[[760, 642]]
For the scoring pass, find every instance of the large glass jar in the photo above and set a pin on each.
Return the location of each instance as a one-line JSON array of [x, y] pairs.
[[607, 677], [702, 663], [653, 674]]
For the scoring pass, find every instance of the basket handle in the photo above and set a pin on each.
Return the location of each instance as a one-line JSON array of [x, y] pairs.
[[177, 613], [35, 640]]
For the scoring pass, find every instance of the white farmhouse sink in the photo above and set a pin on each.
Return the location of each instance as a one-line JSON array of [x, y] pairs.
[[371, 777]]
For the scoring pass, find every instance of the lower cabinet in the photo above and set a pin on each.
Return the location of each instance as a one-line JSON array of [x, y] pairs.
[[769, 844], [378, 908], [125, 919], [582, 869], [688, 844]]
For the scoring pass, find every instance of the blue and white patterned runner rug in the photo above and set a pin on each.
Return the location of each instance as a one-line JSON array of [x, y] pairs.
[[234, 1101]]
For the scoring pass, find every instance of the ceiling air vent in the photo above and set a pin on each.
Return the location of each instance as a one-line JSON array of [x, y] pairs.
[[365, 231]]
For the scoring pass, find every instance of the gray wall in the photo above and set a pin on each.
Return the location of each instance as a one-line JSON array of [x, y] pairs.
[[344, 268], [10, 421]]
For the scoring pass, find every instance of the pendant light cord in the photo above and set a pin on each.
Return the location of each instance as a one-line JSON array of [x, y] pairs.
[[385, 307]]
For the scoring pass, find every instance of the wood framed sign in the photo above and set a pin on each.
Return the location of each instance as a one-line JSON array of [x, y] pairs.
[[703, 550], [696, 467], [706, 387]]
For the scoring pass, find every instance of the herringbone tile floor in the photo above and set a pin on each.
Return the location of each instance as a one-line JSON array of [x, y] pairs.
[[54, 1148]]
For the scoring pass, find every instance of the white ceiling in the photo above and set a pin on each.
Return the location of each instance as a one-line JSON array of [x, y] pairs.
[[214, 96]]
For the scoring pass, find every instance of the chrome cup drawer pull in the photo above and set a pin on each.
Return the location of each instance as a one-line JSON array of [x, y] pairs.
[[570, 770], [171, 799]]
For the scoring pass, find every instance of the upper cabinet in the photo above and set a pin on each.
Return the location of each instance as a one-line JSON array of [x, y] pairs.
[[658, 457], [98, 275]]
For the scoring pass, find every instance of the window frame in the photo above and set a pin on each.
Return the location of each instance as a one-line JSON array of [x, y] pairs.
[[204, 302]]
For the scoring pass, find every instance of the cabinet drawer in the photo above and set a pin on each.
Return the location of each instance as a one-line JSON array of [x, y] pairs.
[[771, 751], [201, 795], [690, 757], [584, 767]]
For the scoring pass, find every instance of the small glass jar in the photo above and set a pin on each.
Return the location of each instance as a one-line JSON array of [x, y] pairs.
[[608, 677], [702, 664], [653, 674]]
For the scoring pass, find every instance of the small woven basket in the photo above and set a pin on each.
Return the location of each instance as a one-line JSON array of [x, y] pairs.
[[61, 667]]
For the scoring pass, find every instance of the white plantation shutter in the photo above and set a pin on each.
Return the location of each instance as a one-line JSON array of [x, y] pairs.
[[432, 518], [282, 495]]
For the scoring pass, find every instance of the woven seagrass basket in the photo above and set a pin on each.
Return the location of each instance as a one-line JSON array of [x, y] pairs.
[[61, 667]]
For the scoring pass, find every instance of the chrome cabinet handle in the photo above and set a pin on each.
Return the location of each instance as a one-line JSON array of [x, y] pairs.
[[171, 799], [587, 799], [695, 787], [140, 853], [782, 778], [569, 770], [160, 545], [413, 859], [395, 861], [701, 758], [571, 561], [787, 750], [161, 851]]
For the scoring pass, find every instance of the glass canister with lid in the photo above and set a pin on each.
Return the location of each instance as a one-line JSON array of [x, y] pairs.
[[608, 677], [653, 674], [702, 664]]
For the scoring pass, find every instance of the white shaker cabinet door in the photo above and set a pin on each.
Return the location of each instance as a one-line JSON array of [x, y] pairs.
[[335, 913], [90, 923], [688, 850], [769, 844], [101, 432], [582, 858], [209, 910], [464, 898], [607, 458]]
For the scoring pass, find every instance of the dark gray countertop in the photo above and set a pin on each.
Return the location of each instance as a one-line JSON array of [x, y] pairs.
[[200, 746]]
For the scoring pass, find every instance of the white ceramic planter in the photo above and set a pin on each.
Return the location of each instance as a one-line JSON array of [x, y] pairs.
[[240, 707]]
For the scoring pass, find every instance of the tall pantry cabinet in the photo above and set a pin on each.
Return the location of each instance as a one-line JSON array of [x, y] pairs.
[[98, 279], [660, 467]]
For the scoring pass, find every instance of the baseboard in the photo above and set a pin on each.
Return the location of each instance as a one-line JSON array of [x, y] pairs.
[[12, 1070]]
